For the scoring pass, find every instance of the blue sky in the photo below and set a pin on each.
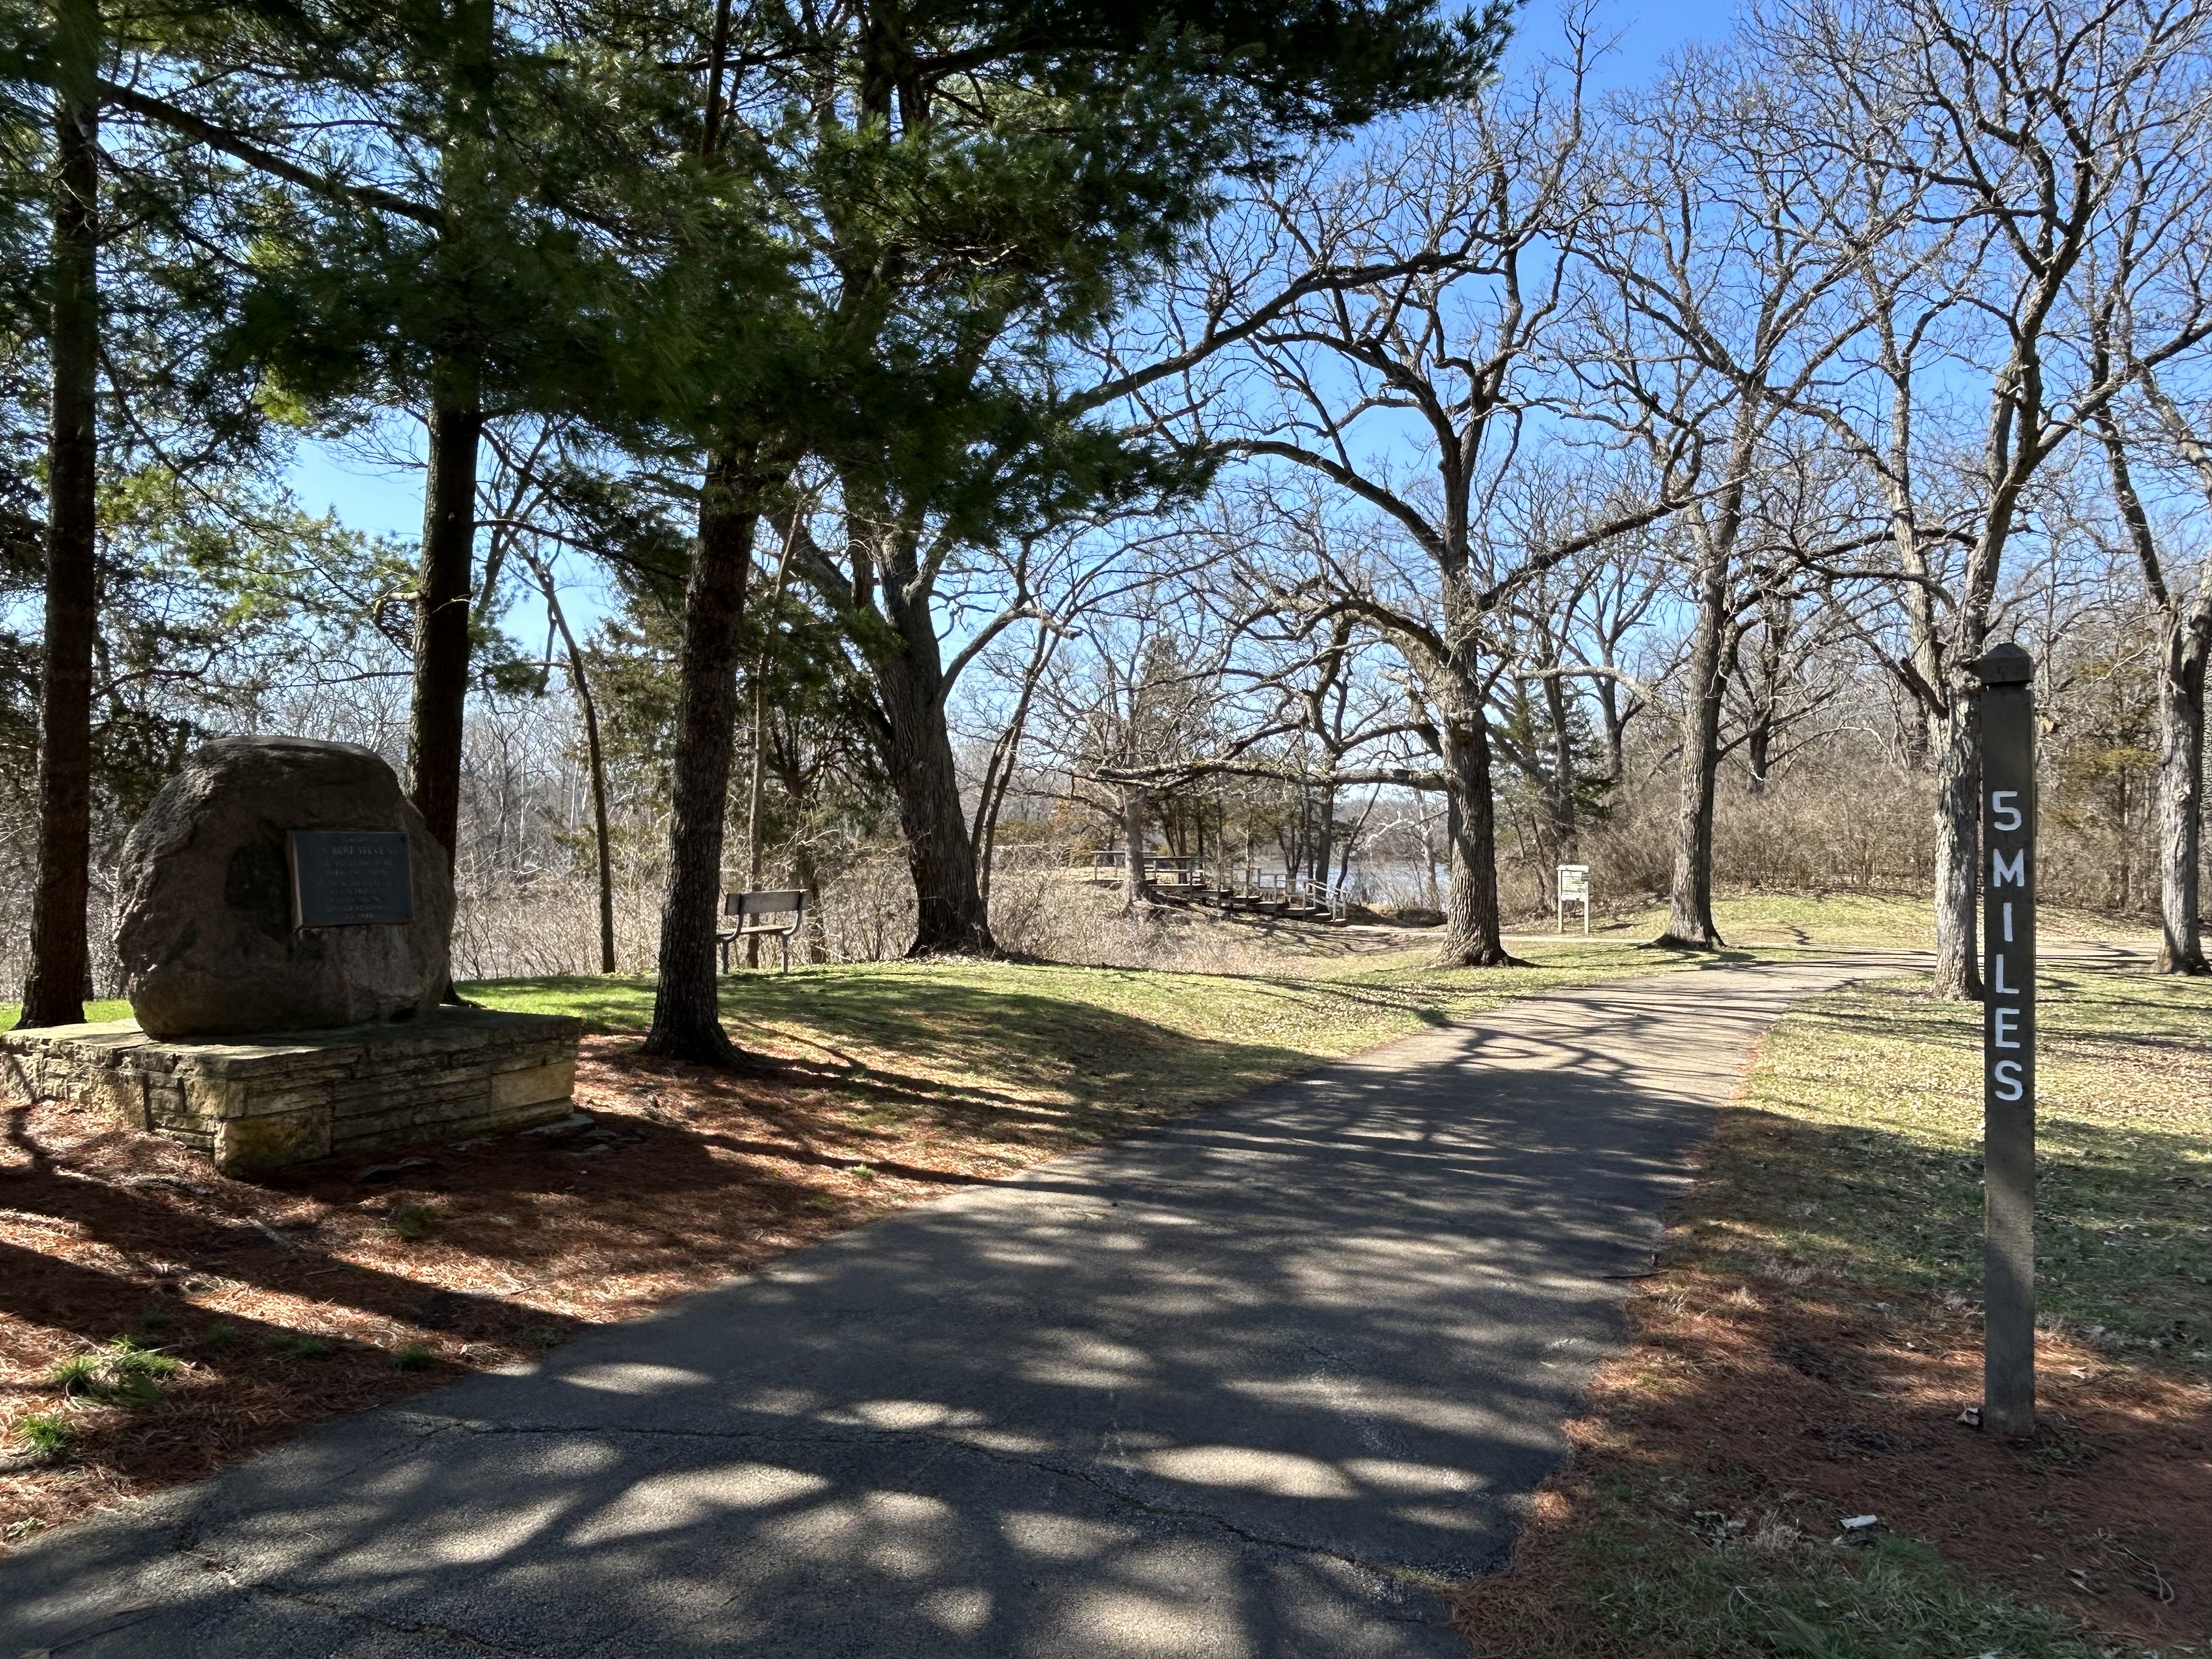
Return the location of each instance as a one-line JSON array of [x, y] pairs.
[[389, 501]]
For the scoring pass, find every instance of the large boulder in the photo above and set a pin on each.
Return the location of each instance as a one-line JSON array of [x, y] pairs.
[[206, 923]]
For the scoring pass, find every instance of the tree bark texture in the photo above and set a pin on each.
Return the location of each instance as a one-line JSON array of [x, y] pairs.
[[1957, 847], [1690, 900], [440, 705], [1473, 936], [1135, 808], [686, 1018], [917, 752], [2186, 636], [916, 749], [54, 992], [2181, 788]]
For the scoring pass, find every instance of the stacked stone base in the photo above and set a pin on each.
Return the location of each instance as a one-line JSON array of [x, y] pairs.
[[256, 1105]]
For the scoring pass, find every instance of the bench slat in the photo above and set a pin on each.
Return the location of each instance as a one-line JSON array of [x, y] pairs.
[[762, 904]]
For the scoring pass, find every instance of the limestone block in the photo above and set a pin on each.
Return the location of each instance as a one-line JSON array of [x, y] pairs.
[[257, 1107], [255, 1145]]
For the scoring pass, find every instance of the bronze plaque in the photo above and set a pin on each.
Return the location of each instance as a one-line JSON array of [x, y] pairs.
[[350, 878]]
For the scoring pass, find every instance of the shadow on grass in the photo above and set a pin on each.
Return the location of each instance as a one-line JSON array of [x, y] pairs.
[[1819, 1300], [1179, 1387], [1096, 1055]]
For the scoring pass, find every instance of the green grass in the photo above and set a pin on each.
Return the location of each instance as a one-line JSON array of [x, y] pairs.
[[1886, 1189], [1099, 1045], [93, 1012], [125, 1371], [45, 1434], [1853, 1168], [1898, 921]]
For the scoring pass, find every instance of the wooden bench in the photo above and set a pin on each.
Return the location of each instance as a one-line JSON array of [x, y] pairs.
[[758, 915]]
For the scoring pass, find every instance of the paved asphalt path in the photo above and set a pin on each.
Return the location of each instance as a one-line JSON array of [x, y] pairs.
[[1234, 1390]]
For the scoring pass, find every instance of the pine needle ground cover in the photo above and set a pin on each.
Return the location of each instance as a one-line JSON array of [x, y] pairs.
[[158, 1320], [1812, 1334]]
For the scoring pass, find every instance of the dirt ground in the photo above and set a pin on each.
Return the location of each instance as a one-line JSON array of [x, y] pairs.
[[357, 1280], [1753, 1412]]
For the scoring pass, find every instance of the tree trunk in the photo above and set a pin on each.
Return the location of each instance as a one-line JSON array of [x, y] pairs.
[[1324, 853], [440, 705], [1134, 887], [686, 1020], [1758, 754], [757, 795], [60, 957], [1690, 900], [1471, 933], [1616, 727], [1957, 847], [2181, 788], [600, 841], [1559, 781], [999, 776], [810, 881], [1431, 899], [595, 758], [950, 919]]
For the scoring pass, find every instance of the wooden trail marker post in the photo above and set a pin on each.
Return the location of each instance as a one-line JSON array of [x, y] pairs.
[[2007, 729]]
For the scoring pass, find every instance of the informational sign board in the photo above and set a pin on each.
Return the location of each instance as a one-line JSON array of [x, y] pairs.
[[349, 877], [1574, 884], [2008, 727]]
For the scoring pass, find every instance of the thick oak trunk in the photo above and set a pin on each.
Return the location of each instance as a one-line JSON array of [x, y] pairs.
[[2181, 798], [1690, 897], [916, 748], [1957, 847], [60, 960], [686, 1019], [438, 709], [949, 916], [1473, 936]]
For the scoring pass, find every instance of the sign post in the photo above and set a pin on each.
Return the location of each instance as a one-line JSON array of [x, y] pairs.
[[1574, 884], [2007, 727]]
